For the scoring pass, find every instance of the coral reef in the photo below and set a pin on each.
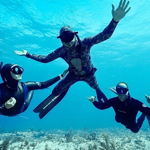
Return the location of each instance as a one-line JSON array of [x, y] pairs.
[[108, 139]]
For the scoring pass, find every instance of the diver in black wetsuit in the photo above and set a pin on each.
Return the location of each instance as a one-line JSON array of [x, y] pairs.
[[125, 107], [16, 96]]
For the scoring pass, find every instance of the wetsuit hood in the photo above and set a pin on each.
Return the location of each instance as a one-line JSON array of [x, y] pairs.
[[67, 34], [8, 80]]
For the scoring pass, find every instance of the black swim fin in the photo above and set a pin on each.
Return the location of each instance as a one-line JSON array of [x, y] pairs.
[[48, 104]]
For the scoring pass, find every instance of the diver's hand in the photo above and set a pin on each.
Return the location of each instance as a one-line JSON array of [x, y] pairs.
[[21, 53], [121, 11], [92, 98], [10, 103], [147, 98]]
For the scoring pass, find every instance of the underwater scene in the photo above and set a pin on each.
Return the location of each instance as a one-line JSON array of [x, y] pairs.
[[105, 47]]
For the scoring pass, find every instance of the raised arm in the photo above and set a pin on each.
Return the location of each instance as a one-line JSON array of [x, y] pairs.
[[46, 84], [41, 58], [117, 15]]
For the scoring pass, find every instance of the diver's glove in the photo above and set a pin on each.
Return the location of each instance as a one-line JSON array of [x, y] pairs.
[[64, 73], [147, 98], [21, 53], [92, 98], [121, 11], [10, 103]]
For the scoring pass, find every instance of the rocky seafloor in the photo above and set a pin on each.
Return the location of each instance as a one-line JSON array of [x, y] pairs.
[[99, 139]]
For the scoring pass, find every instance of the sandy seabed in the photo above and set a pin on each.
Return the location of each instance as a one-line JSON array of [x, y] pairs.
[[99, 139]]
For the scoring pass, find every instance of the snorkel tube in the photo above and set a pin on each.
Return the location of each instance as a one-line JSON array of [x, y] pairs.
[[113, 89]]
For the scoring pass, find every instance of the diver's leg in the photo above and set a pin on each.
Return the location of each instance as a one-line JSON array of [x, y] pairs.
[[57, 95], [139, 123], [92, 82], [140, 120], [64, 84], [101, 96], [148, 119]]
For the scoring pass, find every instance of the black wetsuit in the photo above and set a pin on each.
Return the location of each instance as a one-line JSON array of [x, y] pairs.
[[23, 97], [126, 111]]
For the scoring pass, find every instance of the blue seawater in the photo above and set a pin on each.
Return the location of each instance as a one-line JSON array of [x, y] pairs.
[[34, 26]]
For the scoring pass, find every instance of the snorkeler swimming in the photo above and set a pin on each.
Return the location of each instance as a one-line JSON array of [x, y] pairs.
[[15, 96], [76, 53], [125, 107]]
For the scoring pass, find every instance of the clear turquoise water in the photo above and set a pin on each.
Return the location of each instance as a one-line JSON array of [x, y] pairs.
[[34, 26]]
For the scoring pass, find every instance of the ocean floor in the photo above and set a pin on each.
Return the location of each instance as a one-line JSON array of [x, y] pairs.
[[99, 139]]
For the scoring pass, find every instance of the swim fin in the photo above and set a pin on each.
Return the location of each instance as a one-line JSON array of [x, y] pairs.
[[51, 101]]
